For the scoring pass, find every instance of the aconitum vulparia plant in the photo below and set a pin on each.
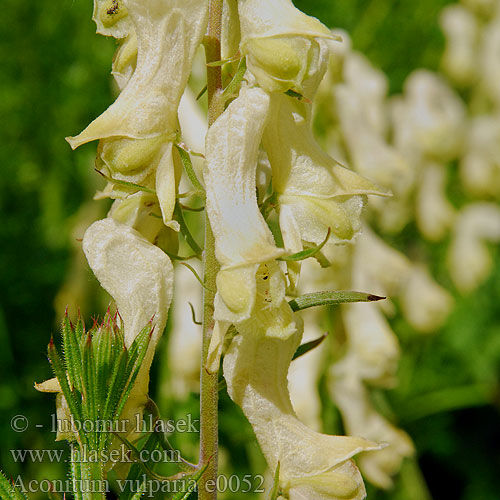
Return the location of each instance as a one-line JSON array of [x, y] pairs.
[[272, 198]]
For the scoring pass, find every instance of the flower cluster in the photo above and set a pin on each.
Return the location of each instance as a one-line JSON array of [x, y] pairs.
[[287, 54]]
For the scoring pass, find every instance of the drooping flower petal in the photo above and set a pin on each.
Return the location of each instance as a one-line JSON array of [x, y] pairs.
[[360, 418], [421, 127], [279, 42], [480, 165], [372, 343], [242, 237], [318, 192], [469, 259], [488, 58], [425, 303], [461, 30], [312, 465], [139, 276], [111, 18], [168, 33]]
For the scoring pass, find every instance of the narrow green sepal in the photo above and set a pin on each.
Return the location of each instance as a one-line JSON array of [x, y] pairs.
[[126, 184], [136, 356], [308, 346], [201, 92], [72, 352], [179, 217], [60, 372], [191, 209], [233, 86], [115, 388], [197, 276], [275, 490], [328, 298], [89, 385], [184, 495], [269, 205], [193, 315], [215, 64], [309, 252], [188, 167], [174, 256]]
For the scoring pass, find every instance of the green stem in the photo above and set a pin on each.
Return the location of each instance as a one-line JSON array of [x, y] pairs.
[[92, 484], [209, 381]]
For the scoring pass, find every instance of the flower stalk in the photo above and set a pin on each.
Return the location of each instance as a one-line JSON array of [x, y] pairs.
[[209, 381]]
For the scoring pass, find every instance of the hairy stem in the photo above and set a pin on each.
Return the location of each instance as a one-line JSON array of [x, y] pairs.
[[208, 382]]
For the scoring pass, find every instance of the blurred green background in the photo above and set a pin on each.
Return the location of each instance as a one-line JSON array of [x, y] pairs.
[[54, 80]]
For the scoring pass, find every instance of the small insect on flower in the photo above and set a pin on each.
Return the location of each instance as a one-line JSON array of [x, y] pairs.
[[114, 8]]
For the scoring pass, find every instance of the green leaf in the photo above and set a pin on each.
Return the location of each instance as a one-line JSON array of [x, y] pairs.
[[70, 396], [268, 205], [126, 184], [304, 348], [8, 491], [89, 385], [233, 86], [136, 471], [103, 352], [188, 167], [327, 298], [192, 482], [137, 353], [275, 491], [179, 216], [72, 352], [115, 388], [309, 252], [197, 276], [201, 92]]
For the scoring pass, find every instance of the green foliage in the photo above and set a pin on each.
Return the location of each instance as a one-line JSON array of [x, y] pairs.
[[97, 373]]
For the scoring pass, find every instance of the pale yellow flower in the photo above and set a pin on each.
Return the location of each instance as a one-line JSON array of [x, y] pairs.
[[469, 258], [461, 30], [312, 465], [242, 238], [434, 213], [137, 130], [280, 43], [361, 418]]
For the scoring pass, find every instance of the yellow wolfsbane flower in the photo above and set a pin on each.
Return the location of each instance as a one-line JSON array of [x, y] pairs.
[[242, 237], [312, 465], [144, 116], [139, 276], [314, 191], [279, 42]]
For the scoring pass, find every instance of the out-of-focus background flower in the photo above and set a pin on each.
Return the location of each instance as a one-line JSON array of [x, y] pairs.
[[433, 137]]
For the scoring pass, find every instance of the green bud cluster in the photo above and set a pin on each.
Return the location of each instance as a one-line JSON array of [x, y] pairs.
[[96, 372]]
